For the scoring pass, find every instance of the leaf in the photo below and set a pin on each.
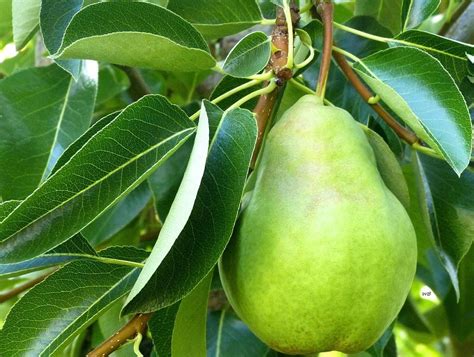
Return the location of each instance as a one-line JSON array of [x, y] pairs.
[[226, 84], [73, 249], [7, 207], [55, 16], [386, 12], [116, 32], [228, 336], [377, 350], [249, 56], [453, 203], [180, 330], [389, 167], [52, 313], [210, 225], [112, 163], [181, 207], [165, 181], [420, 91], [25, 15], [118, 216], [5, 22], [49, 103], [221, 19], [112, 81], [418, 11], [451, 53]]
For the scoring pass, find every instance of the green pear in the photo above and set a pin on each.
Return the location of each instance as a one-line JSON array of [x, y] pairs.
[[323, 255]]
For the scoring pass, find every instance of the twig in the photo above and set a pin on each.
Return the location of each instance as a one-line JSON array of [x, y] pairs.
[[365, 93], [135, 326], [138, 87], [22, 288], [455, 16], [325, 9], [278, 64]]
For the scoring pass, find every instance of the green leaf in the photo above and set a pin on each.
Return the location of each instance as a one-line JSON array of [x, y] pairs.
[[228, 336], [181, 207], [73, 249], [180, 330], [420, 91], [112, 163], [5, 22], [418, 11], [451, 53], [25, 15], [249, 56], [460, 311], [210, 225], [22, 60], [49, 103], [116, 32], [226, 84], [453, 204], [389, 167], [386, 12], [377, 350], [52, 313], [55, 16], [112, 81], [221, 19], [118, 216], [7, 207]]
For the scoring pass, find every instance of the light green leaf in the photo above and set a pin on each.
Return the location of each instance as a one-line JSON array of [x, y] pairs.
[[109, 165], [221, 19], [52, 313], [249, 56], [25, 20], [55, 16], [116, 32], [386, 12], [5, 22], [212, 219], [418, 11], [181, 208], [49, 103], [420, 91], [180, 330]]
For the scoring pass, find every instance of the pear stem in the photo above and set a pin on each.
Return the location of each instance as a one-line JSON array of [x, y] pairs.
[[325, 9]]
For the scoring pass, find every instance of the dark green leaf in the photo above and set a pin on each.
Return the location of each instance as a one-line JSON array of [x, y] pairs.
[[386, 12], [73, 249], [420, 91], [112, 81], [249, 56], [117, 216], [49, 103], [451, 54], [55, 16], [453, 203], [181, 207], [25, 20], [228, 336], [7, 207], [377, 350], [116, 32], [418, 11], [180, 329], [209, 228], [112, 163], [52, 313], [221, 19]]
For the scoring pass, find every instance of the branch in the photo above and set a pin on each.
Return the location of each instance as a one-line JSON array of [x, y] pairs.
[[135, 326], [138, 87], [325, 9], [359, 86], [22, 288], [454, 18], [277, 64]]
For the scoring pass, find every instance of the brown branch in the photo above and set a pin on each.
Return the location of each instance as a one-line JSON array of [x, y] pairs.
[[456, 15], [277, 64], [365, 93], [138, 87], [325, 9], [22, 288], [135, 326]]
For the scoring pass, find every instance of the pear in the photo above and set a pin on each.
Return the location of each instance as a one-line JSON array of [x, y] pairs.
[[323, 255]]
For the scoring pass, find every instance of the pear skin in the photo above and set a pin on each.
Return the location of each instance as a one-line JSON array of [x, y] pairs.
[[323, 255]]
